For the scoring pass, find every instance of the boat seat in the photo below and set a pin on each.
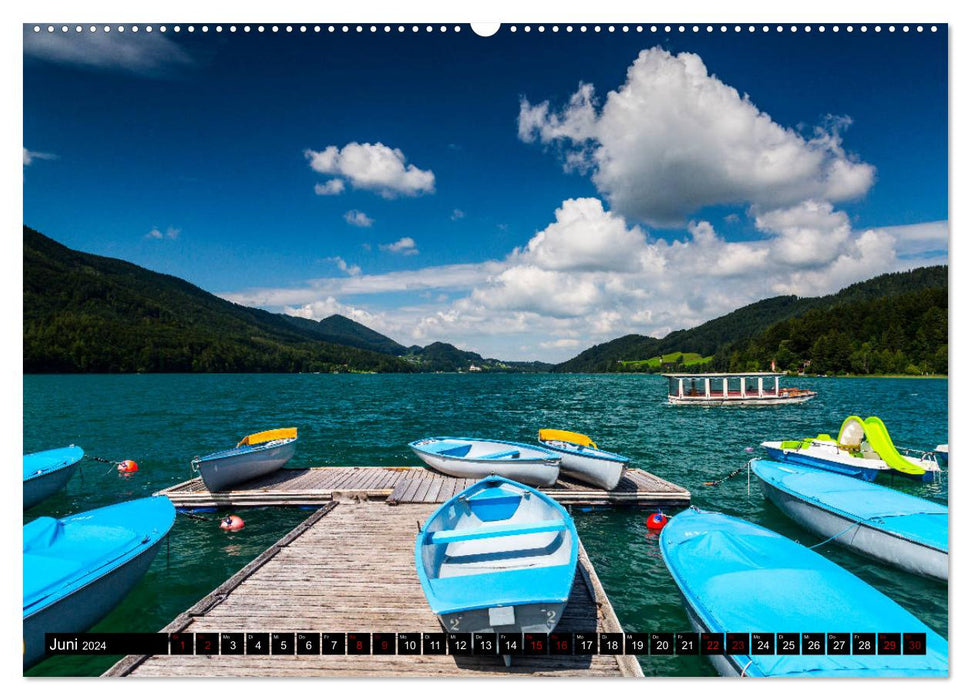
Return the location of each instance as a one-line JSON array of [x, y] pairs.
[[511, 587], [450, 448], [497, 530], [512, 454]]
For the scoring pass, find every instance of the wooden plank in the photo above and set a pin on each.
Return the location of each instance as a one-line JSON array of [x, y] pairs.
[[408, 484]]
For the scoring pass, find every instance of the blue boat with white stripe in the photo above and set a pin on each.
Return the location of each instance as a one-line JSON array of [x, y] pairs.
[[498, 557], [78, 568], [47, 472], [735, 576], [905, 531]]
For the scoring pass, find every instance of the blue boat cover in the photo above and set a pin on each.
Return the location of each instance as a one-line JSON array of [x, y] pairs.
[[739, 577], [41, 463], [64, 555], [912, 518]]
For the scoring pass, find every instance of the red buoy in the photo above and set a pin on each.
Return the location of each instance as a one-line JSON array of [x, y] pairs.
[[656, 521], [127, 466], [231, 523]]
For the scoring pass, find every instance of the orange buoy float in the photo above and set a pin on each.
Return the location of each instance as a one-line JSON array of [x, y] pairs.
[[656, 521], [127, 466], [231, 523]]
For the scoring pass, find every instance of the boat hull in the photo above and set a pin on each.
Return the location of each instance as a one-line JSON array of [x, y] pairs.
[[85, 607], [603, 473], [533, 471], [714, 400], [861, 538], [539, 618], [44, 486], [47, 472], [220, 472]]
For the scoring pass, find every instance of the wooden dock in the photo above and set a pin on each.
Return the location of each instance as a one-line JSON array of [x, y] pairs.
[[349, 568], [408, 485]]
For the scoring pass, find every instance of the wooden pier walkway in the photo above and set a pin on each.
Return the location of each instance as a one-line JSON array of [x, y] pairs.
[[349, 568], [404, 485]]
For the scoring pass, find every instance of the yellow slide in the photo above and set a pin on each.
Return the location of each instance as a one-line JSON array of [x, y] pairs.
[[879, 439]]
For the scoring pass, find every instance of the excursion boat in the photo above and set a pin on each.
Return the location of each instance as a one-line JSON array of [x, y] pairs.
[[896, 528], [47, 472], [862, 449], [581, 459], [78, 568], [255, 455], [498, 557], [471, 458], [733, 389], [735, 576]]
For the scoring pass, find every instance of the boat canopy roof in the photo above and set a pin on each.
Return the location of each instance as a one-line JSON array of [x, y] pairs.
[[268, 436]]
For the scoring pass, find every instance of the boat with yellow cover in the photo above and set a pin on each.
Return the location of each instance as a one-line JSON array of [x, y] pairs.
[[255, 455], [862, 449], [581, 459]]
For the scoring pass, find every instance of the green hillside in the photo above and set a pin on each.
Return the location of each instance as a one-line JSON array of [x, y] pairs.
[[747, 338], [87, 313], [343, 331]]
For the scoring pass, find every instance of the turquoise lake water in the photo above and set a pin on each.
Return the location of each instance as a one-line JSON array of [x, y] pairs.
[[162, 421]]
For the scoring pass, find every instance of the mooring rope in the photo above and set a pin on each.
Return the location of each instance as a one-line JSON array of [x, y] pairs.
[[838, 534]]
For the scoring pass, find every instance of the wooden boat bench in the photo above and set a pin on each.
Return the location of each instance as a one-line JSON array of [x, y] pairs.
[[511, 454], [499, 530]]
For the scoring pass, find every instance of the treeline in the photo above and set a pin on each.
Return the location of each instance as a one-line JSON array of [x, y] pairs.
[[901, 334]]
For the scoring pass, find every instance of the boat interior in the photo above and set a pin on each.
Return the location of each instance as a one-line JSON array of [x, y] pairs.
[[500, 528]]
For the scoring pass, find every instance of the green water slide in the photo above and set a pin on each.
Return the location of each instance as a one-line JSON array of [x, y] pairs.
[[879, 439]]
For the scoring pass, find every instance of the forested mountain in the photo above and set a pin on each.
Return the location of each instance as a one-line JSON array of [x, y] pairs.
[[342, 330], [795, 330], [87, 313]]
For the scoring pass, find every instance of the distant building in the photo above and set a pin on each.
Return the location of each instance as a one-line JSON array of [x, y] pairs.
[[475, 368]]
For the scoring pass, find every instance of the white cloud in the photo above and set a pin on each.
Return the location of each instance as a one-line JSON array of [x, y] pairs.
[[374, 167], [331, 187], [674, 139], [171, 233], [402, 246], [343, 266], [144, 54], [358, 218], [457, 214], [31, 156], [542, 299]]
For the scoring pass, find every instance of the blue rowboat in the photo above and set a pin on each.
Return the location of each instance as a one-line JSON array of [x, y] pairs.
[[78, 568], [899, 529], [738, 577], [472, 458], [498, 557], [47, 472], [256, 455]]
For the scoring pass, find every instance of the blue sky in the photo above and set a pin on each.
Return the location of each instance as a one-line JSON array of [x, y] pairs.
[[524, 195]]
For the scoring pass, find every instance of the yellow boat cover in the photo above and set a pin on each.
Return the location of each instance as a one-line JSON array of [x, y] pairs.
[[566, 436], [267, 436]]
